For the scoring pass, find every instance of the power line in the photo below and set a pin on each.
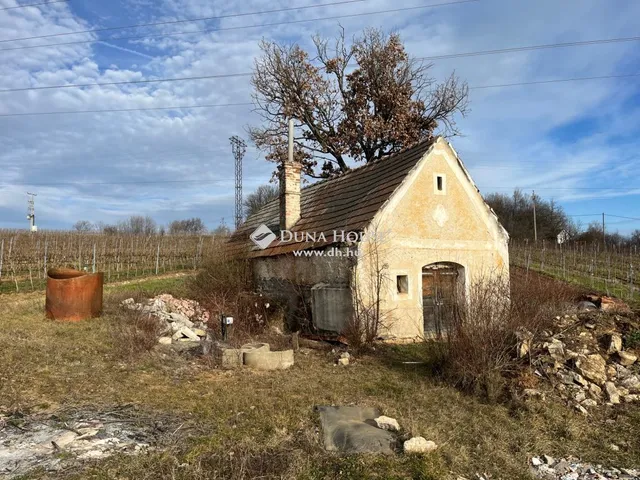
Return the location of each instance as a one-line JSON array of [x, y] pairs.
[[119, 110], [241, 27], [532, 47], [208, 77], [222, 180], [620, 216], [186, 20], [128, 82], [165, 155], [618, 223], [134, 182], [542, 82], [33, 5]]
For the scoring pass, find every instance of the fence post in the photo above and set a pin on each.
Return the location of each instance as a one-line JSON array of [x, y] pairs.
[[94, 257], [157, 258], [44, 263]]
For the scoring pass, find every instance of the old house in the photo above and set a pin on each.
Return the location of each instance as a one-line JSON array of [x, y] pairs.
[[404, 236]]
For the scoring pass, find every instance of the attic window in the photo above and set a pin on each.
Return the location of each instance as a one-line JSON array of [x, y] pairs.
[[439, 183], [402, 282]]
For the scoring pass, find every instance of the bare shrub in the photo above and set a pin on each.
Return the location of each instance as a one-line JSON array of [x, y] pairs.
[[135, 333], [224, 286], [370, 282], [480, 348]]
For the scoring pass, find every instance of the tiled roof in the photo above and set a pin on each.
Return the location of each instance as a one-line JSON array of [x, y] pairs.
[[345, 203]]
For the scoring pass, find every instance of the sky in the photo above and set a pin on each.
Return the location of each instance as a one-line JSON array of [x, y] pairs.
[[575, 141]]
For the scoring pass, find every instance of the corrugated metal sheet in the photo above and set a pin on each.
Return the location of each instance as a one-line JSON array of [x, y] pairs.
[[331, 307]]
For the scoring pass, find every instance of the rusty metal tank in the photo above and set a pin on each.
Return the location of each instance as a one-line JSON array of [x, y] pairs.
[[73, 295]]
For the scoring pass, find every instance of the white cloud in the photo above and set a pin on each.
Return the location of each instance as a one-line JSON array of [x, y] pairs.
[[510, 134]]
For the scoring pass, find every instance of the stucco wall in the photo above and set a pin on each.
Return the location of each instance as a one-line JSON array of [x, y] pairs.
[[420, 226]]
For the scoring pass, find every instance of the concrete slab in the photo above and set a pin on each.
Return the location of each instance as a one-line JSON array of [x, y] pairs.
[[264, 360], [352, 429]]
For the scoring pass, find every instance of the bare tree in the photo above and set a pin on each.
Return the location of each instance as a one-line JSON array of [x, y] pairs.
[[516, 215], [258, 199], [138, 225], [193, 226], [388, 102], [83, 226]]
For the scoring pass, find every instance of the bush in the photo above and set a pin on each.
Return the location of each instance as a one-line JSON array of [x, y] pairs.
[[136, 332], [224, 286], [479, 353]]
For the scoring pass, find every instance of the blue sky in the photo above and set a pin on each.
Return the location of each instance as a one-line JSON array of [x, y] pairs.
[[576, 142]]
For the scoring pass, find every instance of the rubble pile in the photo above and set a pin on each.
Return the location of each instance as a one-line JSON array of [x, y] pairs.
[[588, 357], [547, 467], [185, 319]]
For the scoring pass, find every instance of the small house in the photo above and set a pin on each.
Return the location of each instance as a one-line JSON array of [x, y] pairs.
[[402, 239]]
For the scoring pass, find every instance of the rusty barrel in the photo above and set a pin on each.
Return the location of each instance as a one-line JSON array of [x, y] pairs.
[[73, 295]]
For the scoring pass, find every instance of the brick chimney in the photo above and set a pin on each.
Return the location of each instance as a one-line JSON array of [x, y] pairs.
[[290, 187], [289, 194]]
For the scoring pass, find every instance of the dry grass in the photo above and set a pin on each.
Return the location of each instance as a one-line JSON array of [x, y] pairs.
[[245, 424]]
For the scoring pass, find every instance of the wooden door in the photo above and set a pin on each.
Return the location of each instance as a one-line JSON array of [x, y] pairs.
[[439, 288]]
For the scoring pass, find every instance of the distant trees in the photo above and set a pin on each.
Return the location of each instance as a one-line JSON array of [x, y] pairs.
[[258, 199], [515, 212], [191, 226], [134, 225], [83, 226], [144, 225], [593, 234], [516, 215], [138, 225]]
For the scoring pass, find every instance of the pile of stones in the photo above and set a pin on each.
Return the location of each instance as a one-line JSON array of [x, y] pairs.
[[184, 320], [586, 360], [547, 467]]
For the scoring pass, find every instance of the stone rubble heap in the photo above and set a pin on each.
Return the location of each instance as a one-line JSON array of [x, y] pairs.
[[547, 467], [586, 360], [185, 319]]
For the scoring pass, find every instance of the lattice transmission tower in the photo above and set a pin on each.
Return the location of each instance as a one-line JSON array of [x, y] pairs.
[[239, 148]]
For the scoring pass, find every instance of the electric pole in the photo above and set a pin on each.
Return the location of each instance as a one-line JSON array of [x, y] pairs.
[[31, 216], [535, 221], [238, 147], [604, 234]]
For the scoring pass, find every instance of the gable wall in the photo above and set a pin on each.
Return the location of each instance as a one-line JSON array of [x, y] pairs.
[[419, 226]]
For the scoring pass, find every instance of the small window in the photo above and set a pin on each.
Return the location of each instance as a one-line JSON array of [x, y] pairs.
[[439, 183], [402, 282]]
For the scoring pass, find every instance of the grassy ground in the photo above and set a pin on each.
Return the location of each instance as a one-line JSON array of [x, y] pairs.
[[25, 285], [617, 288], [244, 424]]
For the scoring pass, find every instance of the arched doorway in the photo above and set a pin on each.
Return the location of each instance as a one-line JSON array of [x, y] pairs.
[[442, 289]]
